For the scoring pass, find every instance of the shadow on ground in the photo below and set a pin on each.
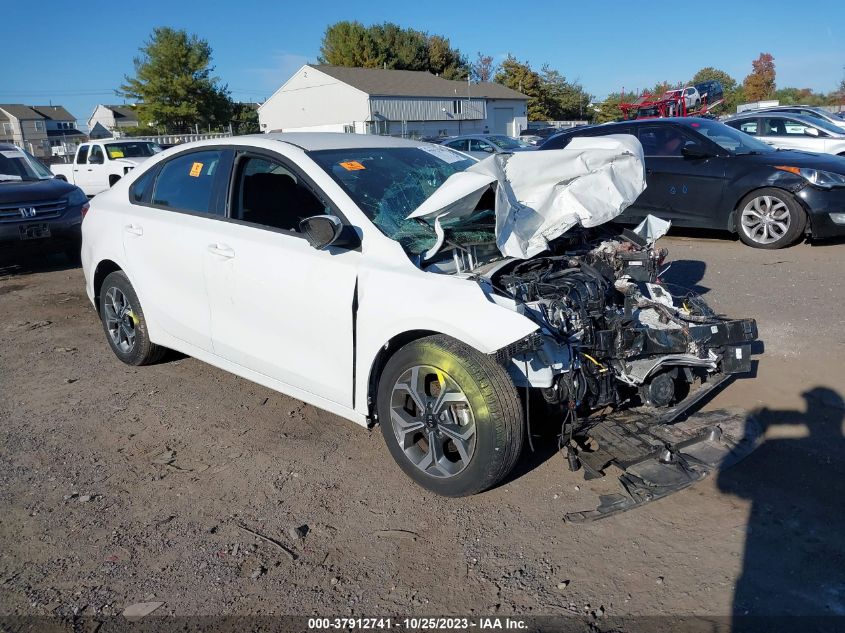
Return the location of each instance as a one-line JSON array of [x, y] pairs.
[[794, 560], [16, 261]]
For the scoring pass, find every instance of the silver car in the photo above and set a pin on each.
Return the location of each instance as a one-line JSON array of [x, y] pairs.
[[483, 145], [792, 131], [808, 111]]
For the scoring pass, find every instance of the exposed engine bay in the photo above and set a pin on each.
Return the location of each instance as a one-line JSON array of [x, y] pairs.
[[627, 337], [620, 357]]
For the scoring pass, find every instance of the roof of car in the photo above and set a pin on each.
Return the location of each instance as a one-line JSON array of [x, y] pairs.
[[315, 141], [772, 115], [481, 136]]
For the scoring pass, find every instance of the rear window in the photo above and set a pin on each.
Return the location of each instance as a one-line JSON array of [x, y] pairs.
[[141, 187], [186, 182]]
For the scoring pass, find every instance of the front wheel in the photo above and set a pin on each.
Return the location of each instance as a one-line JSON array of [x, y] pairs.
[[124, 322], [770, 218], [450, 415]]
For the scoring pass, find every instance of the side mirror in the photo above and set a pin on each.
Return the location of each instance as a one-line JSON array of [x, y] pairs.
[[694, 151], [811, 131], [487, 149], [321, 231], [95, 160]]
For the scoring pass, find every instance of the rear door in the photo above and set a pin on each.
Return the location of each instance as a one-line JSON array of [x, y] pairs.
[[687, 191], [280, 307], [167, 232]]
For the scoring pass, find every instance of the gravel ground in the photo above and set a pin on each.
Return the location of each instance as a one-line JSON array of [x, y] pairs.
[[122, 485]]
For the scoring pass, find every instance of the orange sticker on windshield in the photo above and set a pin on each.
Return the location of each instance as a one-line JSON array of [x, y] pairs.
[[196, 170], [352, 165]]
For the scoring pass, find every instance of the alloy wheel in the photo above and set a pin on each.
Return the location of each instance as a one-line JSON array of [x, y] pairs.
[[433, 421], [120, 320], [765, 219]]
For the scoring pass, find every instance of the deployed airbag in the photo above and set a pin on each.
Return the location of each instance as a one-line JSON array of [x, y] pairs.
[[542, 194]]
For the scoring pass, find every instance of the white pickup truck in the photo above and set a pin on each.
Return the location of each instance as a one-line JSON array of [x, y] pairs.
[[100, 164]]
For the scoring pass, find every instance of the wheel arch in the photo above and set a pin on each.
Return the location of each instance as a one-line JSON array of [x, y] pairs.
[[384, 354], [103, 270], [732, 223]]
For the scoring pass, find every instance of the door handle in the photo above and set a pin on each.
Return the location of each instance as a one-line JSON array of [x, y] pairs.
[[134, 229], [221, 250]]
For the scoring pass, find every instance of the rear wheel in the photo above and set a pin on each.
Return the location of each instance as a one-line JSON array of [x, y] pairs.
[[770, 218], [124, 323], [450, 415]]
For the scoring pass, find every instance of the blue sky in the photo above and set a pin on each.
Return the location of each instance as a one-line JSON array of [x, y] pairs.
[[78, 58]]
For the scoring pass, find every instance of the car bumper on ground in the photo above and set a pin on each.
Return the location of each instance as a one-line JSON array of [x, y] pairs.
[[826, 210]]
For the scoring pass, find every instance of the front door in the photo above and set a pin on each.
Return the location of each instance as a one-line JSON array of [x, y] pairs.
[[280, 307], [687, 191], [789, 134]]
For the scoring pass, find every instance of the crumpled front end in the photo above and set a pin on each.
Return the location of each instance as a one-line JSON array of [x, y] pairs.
[[621, 358]]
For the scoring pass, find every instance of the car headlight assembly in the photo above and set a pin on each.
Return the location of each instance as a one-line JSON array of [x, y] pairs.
[[817, 177], [76, 198]]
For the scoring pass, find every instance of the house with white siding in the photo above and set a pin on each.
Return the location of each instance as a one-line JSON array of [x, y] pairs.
[[323, 98], [107, 120]]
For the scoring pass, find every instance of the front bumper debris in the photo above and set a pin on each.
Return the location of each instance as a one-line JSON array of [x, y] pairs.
[[659, 459]]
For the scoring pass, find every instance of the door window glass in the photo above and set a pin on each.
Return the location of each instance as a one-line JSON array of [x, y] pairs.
[[187, 182], [461, 145], [783, 127], [476, 145], [82, 156], [269, 194], [97, 155], [662, 140], [749, 127]]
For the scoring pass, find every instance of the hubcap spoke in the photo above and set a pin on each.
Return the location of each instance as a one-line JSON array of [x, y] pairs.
[[432, 421], [405, 426], [119, 320], [765, 219]]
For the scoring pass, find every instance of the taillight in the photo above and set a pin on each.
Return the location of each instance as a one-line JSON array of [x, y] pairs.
[[85, 208]]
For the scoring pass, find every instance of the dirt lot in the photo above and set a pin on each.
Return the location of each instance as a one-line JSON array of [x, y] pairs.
[[122, 485]]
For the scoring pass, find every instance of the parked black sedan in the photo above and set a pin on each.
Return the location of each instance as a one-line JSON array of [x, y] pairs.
[[35, 207], [701, 173]]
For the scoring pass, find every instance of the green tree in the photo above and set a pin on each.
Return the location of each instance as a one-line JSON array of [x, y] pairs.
[[483, 69], [389, 45], [349, 44], [520, 77], [445, 60], [609, 110], [174, 85], [245, 118], [564, 100], [760, 84]]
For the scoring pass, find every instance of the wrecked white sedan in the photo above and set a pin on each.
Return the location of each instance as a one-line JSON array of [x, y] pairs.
[[401, 283]]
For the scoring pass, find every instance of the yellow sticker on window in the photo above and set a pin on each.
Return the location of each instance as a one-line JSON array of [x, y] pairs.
[[196, 170], [352, 165], [116, 153]]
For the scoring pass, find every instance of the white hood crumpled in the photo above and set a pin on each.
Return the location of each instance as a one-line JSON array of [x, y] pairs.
[[542, 194]]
